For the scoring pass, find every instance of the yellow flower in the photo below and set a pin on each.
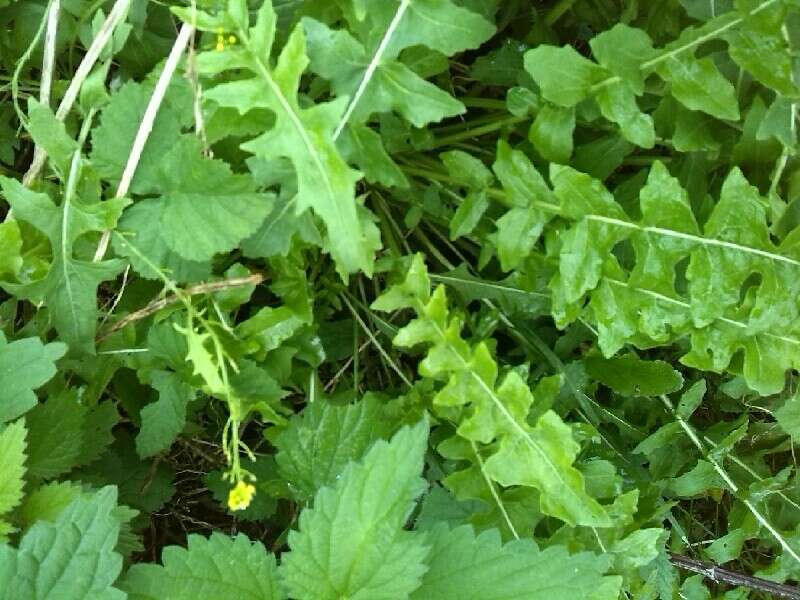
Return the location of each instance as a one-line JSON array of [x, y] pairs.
[[231, 39], [240, 496]]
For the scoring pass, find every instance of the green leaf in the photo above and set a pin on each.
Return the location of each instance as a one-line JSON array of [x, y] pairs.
[[10, 249], [113, 138], [463, 566], [137, 227], [352, 544], [315, 448], [698, 85], [618, 104], [55, 436], [165, 418], [70, 285], [24, 366], [564, 76], [788, 416], [71, 558], [12, 465], [632, 376], [365, 66], [47, 501], [759, 46], [539, 455], [622, 50], [551, 133], [304, 135], [363, 146], [49, 133], [215, 567]]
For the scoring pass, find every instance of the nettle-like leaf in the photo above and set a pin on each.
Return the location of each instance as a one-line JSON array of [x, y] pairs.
[[71, 558], [12, 465], [70, 286], [366, 65], [204, 209], [213, 567], [25, 365], [351, 544], [315, 448], [302, 134], [494, 412], [720, 310], [463, 566]]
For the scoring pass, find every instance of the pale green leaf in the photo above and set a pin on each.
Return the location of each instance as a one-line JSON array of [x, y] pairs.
[[71, 558], [12, 465]]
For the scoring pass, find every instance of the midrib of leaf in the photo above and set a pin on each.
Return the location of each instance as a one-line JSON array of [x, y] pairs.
[[69, 192], [372, 66], [703, 241], [516, 426], [487, 284], [656, 60], [687, 306], [294, 118]]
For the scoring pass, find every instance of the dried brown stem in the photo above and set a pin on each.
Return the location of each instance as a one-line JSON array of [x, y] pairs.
[[159, 303], [719, 575]]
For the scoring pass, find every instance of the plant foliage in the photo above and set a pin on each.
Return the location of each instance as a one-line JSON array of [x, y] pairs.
[[386, 299]]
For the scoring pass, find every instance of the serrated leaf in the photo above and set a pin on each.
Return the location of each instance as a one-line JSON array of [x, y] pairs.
[[24, 366], [464, 566], [12, 465], [213, 567], [351, 543], [303, 135], [113, 138], [47, 501], [52, 450], [70, 285], [137, 226], [165, 418], [315, 448], [71, 558], [495, 411]]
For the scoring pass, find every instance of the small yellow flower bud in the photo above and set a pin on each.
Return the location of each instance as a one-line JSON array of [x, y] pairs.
[[231, 39], [220, 46], [240, 496]]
